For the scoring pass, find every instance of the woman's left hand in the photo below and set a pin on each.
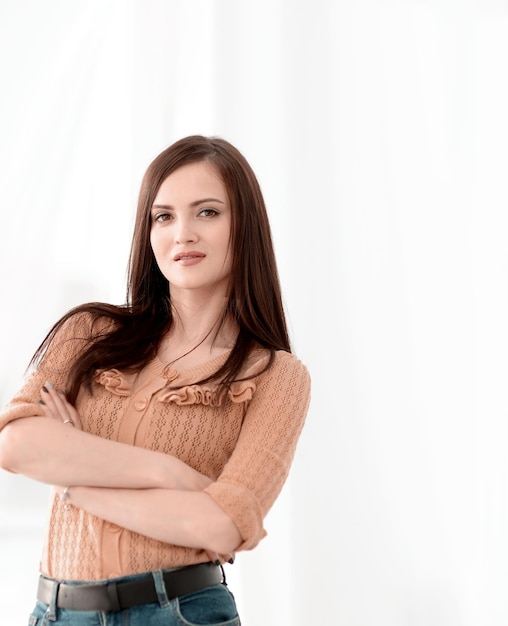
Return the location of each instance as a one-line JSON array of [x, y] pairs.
[[55, 405], [221, 558]]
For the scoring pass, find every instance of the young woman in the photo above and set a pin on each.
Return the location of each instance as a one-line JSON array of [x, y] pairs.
[[167, 425]]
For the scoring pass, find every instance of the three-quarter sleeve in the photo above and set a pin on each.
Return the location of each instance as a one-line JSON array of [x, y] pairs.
[[54, 366], [255, 474]]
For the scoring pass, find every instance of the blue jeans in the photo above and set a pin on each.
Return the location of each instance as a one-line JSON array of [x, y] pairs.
[[213, 606]]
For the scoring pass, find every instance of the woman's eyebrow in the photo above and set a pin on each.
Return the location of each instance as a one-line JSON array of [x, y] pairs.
[[198, 202], [192, 204]]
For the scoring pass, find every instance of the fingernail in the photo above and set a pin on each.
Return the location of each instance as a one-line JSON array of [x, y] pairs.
[[45, 389], [231, 560], [217, 562], [49, 384], [42, 402]]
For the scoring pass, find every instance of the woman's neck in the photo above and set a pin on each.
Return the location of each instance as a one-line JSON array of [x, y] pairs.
[[199, 331]]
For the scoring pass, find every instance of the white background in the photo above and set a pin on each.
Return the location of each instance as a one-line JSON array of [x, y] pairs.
[[379, 132]]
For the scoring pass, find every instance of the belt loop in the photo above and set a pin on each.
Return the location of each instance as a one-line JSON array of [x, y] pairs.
[[217, 563], [160, 588], [224, 582], [51, 610], [112, 591]]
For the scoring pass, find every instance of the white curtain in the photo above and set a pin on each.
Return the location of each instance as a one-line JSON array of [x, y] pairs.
[[378, 130]]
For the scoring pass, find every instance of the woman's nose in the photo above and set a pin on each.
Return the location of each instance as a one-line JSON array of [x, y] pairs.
[[184, 233]]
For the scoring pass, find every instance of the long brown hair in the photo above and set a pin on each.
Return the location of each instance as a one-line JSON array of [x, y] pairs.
[[254, 299]]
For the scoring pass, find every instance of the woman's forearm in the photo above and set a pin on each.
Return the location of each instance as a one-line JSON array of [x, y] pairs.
[[185, 518], [58, 454]]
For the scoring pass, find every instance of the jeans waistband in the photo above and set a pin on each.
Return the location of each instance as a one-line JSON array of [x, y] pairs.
[[115, 596]]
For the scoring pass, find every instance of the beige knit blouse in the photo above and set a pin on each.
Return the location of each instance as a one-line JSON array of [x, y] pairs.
[[244, 441]]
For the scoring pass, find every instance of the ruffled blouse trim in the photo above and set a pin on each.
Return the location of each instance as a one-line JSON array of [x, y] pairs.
[[178, 392], [238, 392], [114, 381]]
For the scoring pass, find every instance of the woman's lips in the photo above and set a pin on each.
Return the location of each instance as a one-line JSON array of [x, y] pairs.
[[188, 258]]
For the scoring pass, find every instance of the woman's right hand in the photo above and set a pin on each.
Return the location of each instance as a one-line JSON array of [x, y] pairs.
[[54, 404]]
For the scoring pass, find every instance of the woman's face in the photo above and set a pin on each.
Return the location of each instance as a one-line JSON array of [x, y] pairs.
[[191, 227]]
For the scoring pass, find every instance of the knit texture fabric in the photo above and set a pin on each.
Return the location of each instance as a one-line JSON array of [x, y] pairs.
[[243, 440]]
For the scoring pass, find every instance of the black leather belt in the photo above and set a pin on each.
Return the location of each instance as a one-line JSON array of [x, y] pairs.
[[115, 596]]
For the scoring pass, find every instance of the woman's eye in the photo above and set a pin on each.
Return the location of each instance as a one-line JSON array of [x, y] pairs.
[[208, 212], [162, 217]]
